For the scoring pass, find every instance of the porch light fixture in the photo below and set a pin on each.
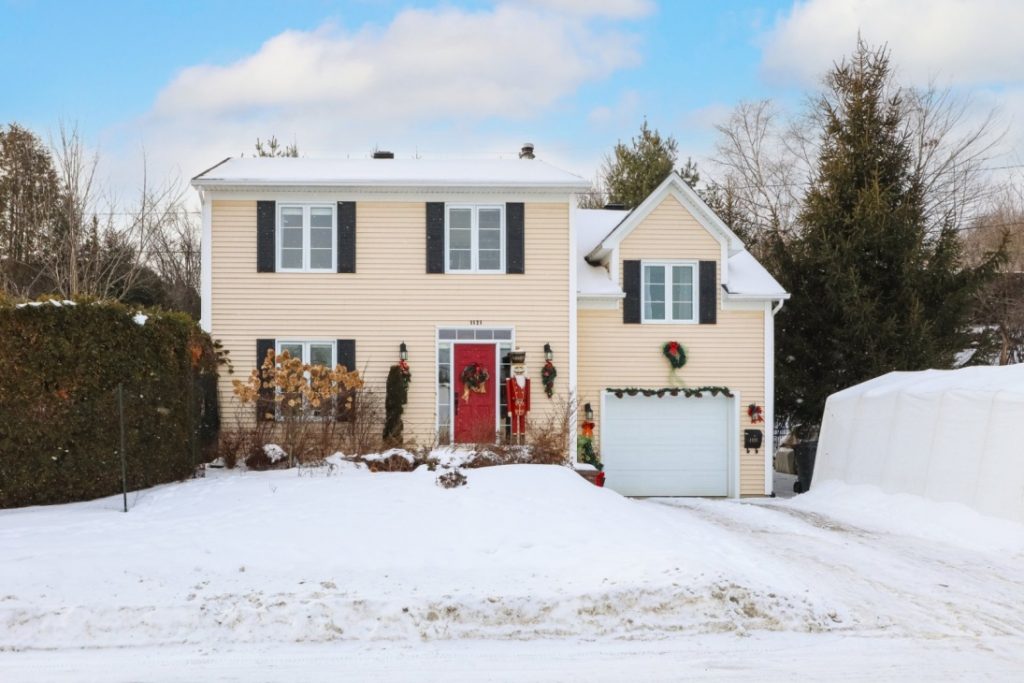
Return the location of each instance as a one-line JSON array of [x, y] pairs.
[[588, 412], [403, 352], [548, 354]]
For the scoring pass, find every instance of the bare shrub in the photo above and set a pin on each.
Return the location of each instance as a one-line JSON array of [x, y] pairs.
[[301, 403], [362, 432], [549, 439]]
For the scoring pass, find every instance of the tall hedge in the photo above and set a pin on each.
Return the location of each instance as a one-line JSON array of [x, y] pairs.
[[60, 366]]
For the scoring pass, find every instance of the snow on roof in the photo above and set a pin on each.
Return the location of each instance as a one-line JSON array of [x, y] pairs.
[[747, 277], [388, 173], [591, 227]]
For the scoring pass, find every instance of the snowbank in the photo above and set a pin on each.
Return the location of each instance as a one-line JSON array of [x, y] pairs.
[[521, 551], [948, 435], [868, 507]]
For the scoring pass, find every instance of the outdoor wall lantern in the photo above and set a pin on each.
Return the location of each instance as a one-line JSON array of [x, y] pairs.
[[588, 412], [548, 353], [403, 352]]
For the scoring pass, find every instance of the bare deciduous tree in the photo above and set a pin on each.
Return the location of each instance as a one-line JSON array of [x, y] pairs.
[[1000, 306], [101, 247]]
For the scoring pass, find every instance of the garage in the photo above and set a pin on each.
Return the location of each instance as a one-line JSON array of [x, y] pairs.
[[668, 445]]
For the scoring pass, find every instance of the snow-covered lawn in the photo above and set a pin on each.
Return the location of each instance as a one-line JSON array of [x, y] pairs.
[[528, 572]]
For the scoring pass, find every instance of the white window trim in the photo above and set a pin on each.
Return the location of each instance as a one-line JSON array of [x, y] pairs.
[[306, 343], [474, 246], [306, 243], [694, 268]]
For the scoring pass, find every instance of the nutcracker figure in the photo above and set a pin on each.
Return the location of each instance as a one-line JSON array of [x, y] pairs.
[[517, 394]]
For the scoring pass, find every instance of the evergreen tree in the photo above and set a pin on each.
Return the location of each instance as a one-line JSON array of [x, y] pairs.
[[29, 192], [689, 173], [272, 148], [874, 290], [395, 397], [635, 170]]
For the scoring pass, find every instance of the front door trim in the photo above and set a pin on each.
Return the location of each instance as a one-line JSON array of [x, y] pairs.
[[465, 329]]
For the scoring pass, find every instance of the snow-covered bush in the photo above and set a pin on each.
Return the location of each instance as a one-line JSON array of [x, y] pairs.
[[451, 479], [268, 457]]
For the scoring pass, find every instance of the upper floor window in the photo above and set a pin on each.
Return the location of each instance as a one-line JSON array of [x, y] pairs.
[[306, 235], [669, 291], [474, 237]]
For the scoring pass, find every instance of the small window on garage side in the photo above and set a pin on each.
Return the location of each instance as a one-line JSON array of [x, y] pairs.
[[669, 292]]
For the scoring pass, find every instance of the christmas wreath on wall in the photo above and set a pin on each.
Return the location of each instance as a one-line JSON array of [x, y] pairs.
[[547, 376], [755, 413], [675, 353], [474, 379]]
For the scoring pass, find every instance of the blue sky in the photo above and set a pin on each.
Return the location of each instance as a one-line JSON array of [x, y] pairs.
[[192, 82]]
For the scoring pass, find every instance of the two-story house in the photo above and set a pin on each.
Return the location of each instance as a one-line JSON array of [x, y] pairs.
[[460, 262]]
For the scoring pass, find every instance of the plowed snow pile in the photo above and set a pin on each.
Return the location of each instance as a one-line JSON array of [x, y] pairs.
[[521, 552]]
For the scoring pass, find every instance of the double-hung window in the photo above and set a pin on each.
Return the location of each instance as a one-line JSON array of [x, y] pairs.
[[670, 292], [306, 235], [474, 239], [311, 352]]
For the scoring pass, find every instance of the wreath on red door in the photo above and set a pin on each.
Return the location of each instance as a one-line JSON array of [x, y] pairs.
[[474, 378]]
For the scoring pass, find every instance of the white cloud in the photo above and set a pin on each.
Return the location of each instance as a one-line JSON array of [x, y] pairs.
[[430, 82], [511, 61], [955, 42], [618, 9]]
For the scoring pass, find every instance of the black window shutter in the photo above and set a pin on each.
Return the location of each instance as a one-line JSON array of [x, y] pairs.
[[515, 249], [631, 286], [435, 237], [346, 352], [346, 237], [265, 403], [266, 237], [708, 293]]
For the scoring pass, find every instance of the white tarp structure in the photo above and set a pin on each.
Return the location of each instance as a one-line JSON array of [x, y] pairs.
[[947, 435]]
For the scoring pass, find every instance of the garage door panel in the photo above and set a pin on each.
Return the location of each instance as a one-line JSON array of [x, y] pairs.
[[668, 446], [667, 483]]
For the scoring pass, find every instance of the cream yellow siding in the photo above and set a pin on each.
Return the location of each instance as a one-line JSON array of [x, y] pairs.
[[391, 299], [729, 353]]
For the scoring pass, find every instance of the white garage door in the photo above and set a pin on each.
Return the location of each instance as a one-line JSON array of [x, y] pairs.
[[668, 446]]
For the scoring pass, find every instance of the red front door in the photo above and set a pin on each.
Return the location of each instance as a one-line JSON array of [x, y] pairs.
[[475, 411]]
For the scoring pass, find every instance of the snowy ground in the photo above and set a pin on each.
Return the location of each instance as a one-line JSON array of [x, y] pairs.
[[527, 573]]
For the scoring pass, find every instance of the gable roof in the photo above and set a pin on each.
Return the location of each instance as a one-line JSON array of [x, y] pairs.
[[287, 171], [675, 186], [600, 231]]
